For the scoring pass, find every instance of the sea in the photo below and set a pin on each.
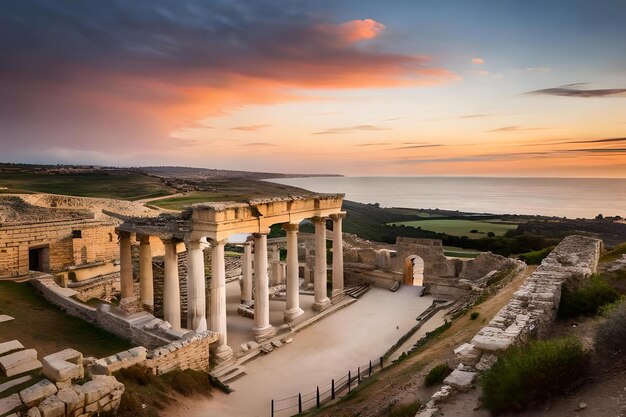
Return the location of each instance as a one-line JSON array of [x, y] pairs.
[[561, 197]]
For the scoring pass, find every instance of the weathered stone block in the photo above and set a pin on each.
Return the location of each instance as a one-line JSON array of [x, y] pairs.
[[19, 362], [10, 403], [52, 407], [461, 380], [71, 399], [64, 365], [9, 346], [38, 392]]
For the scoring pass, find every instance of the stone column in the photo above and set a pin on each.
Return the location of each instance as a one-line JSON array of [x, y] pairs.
[[262, 329], [319, 280], [196, 287], [217, 302], [337, 253], [292, 309], [246, 274], [126, 269], [146, 283], [171, 288]]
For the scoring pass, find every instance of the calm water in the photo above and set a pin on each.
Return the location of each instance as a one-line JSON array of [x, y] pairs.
[[570, 197]]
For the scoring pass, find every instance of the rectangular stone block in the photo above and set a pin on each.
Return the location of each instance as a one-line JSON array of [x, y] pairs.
[[10, 403], [9, 346], [38, 392], [19, 362]]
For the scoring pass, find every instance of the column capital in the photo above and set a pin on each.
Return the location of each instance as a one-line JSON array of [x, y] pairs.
[[291, 227], [122, 233], [215, 243], [196, 244], [169, 241], [319, 219], [337, 216], [260, 234], [142, 238]]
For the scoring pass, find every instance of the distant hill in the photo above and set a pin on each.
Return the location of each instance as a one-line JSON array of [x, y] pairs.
[[206, 173]]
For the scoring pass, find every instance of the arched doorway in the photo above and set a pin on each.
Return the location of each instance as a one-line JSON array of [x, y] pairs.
[[414, 271]]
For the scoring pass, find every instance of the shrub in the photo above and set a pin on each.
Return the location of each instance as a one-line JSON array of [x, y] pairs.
[[474, 315], [587, 300], [437, 375], [535, 257], [611, 334], [528, 375], [405, 410]]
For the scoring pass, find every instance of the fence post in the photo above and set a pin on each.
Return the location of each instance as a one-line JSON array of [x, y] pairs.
[[332, 389], [272, 408], [349, 378], [381, 363], [318, 396], [299, 403], [358, 378], [370, 372]]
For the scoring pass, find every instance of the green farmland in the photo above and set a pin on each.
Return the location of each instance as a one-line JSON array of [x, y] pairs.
[[458, 227]]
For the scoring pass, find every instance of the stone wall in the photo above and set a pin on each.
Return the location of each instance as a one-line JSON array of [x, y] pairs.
[[532, 309], [190, 352], [98, 242]]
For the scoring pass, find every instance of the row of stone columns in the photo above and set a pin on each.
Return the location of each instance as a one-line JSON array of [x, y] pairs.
[[197, 317]]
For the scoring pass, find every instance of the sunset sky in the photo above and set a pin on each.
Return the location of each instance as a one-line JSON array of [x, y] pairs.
[[495, 88]]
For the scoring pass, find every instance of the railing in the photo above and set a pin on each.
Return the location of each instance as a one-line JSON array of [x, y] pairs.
[[336, 388]]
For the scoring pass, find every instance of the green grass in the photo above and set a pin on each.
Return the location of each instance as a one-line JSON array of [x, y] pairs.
[[528, 375], [614, 254], [457, 227], [40, 325], [125, 185], [460, 252], [535, 257], [178, 203]]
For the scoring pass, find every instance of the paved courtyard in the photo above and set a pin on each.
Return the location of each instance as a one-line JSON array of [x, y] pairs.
[[346, 339]]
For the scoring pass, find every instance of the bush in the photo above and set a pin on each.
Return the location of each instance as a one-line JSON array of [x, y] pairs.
[[405, 410], [535, 257], [528, 375], [588, 299], [611, 334], [474, 315], [437, 375]]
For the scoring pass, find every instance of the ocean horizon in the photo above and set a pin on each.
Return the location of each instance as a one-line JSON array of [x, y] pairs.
[[560, 197]]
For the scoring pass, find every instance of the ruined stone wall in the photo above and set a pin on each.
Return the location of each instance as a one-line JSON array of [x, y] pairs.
[[191, 352], [15, 241], [532, 309]]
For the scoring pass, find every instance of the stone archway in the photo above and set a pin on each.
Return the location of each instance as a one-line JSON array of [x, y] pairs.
[[414, 271]]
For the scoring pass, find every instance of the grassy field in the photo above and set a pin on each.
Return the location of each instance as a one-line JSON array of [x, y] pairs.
[[125, 185], [460, 252], [228, 190], [40, 325], [457, 227]]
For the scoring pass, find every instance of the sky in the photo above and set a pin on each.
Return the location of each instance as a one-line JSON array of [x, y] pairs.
[[353, 87]]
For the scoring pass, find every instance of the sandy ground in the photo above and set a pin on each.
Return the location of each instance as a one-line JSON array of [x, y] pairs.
[[326, 350]]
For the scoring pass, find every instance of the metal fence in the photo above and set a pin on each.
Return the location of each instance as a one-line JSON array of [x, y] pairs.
[[336, 388]]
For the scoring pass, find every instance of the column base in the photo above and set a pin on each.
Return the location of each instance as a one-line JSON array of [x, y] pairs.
[[292, 313], [263, 333], [337, 291], [322, 304], [221, 354]]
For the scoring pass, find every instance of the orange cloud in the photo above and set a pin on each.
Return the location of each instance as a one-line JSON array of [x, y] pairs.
[[478, 61], [359, 30]]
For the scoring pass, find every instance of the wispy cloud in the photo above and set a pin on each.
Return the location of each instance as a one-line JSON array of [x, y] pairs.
[[430, 145], [485, 73], [517, 129], [358, 128], [393, 119], [258, 144], [249, 128], [574, 90], [478, 61], [597, 140], [374, 144]]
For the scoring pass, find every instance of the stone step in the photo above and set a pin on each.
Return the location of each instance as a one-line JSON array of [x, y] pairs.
[[223, 370], [233, 375], [14, 382], [7, 347], [19, 362]]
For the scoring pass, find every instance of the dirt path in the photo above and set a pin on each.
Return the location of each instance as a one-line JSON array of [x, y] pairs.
[[404, 383]]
